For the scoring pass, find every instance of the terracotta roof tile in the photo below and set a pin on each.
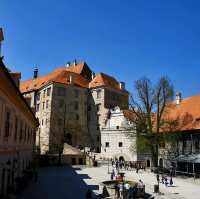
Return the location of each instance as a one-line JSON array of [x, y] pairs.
[[76, 69], [59, 75], [128, 114], [104, 80], [187, 113]]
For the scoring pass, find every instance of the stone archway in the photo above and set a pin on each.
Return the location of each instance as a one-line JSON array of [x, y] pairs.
[[125, 156], [121, 158], [148, 163]]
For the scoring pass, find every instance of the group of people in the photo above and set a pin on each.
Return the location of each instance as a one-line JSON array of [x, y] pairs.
[[116, 175], [128, 165], [124, 190], [166, 180]]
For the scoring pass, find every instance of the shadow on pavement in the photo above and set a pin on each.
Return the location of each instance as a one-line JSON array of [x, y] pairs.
[[58, 183]]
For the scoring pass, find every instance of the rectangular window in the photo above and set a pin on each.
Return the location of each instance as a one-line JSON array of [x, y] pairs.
[[47, 104], [7, 124], [120, 144], [61, 91], [38, 97], [184, 146], [107, 144], [44, 93], [76, 93], [37, 107], [43, 105], [16, 128], [48, 91], [76, 106], [98, 94], [197, 145], [77, 117]]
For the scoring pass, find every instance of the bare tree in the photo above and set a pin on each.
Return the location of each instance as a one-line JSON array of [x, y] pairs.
[[148, 106]]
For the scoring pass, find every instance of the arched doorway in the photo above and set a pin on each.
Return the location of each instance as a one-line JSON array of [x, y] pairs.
[[148, 163], [121, 158], [161, 162]]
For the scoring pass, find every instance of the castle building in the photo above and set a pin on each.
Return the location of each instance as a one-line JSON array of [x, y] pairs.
[[72, 104], [182, 151], [118, 137], [17, 130]]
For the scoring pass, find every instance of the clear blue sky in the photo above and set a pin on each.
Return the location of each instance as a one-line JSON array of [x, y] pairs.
[[128, 39]]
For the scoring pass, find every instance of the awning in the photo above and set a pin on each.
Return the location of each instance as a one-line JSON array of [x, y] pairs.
[[192, 158]]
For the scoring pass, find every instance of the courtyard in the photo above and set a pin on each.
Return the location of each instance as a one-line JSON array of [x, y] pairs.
[[72, 183]]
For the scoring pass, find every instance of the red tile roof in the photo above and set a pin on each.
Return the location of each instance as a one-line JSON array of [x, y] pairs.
[[104, 80], [187, 113], [76, 68], [129, 114], [61, 75]]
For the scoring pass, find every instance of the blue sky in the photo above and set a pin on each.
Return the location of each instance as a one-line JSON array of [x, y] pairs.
[[128, 39]]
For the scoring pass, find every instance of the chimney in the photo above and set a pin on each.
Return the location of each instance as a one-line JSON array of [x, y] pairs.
[[35, 72], [67, 64], [75, 62], [178, 98], [71, 79], [122, 85], [16, 77]]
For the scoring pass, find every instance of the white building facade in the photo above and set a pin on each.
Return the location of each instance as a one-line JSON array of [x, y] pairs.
[[118, 137]]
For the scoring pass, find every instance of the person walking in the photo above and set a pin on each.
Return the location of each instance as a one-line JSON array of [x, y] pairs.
[[166, 181], [121, 189], [117, 195], [126, 190], [171, 181], [112, 175], [158, 178]]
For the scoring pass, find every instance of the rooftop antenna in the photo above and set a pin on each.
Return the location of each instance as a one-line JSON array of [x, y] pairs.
[[1, 39]]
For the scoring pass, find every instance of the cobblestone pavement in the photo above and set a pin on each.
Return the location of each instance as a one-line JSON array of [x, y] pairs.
[[72, 183], [182, 188]]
